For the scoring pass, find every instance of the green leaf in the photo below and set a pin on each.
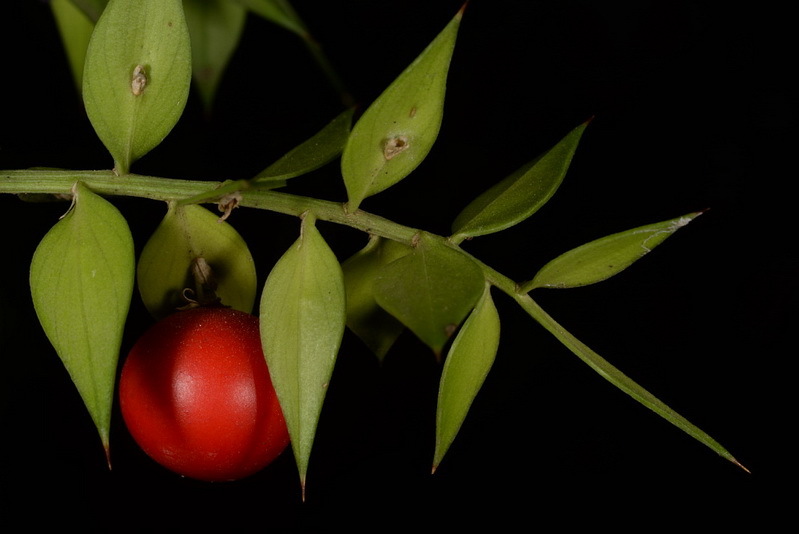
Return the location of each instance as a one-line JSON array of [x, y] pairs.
[[215, 27], [431, 290], [137, 76], [468, 362], [619, 379], [315, 152], [278, 12], [312, 154], [302, 323], [185, 234], [371, 323], [81, 281], [521, 194], [605, 257], [398, 130], [76, 29]]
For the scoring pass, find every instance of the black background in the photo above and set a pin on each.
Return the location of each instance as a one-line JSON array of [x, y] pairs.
[[693, 108]]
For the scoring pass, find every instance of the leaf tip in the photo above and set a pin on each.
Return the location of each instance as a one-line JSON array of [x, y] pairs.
[[107, 449], [684, 220], [739, 464]]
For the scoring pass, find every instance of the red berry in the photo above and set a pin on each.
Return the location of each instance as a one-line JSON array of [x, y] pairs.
[[196, 395]]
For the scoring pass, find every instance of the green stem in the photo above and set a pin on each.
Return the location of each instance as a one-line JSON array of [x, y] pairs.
[[596, 362], [60, 182]]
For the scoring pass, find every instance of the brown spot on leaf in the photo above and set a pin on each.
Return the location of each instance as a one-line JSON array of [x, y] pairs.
[[138, 81], [394, 146]]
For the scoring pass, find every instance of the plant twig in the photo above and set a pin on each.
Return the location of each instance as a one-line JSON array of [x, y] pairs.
[[60, 182]]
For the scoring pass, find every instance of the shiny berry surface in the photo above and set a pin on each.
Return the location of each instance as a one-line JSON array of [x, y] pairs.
[[196, 395]]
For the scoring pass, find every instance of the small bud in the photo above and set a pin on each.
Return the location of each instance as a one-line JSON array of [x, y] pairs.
[[139, 80]]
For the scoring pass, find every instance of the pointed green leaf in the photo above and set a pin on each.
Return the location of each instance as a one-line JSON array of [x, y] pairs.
[[302, 323], [468, 362], [278, 12], [81, 280], [312, 154], [137, 76], [519, 195], [76, 29], [186, 233], [604, 257], [371, 323], [398, 130], [431, 290], [215, 27], [619, 379]]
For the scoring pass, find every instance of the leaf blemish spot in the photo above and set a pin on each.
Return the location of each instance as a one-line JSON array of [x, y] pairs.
[[139, 80], [394, 146], [673, 227]]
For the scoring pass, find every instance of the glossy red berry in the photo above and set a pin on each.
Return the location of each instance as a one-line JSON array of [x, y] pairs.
[[196, 395]]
